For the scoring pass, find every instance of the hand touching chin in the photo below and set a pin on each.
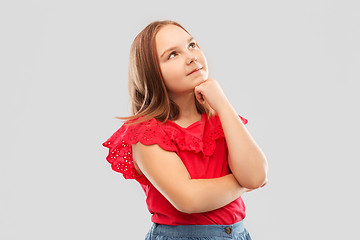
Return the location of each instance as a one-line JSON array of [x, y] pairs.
[[210, 91]]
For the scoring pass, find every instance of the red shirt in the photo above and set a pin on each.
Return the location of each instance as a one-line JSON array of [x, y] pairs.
[[202, 148]]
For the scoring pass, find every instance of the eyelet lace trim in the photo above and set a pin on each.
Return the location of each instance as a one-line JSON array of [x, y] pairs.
[[168, 137], [120, 151], [207, 145]]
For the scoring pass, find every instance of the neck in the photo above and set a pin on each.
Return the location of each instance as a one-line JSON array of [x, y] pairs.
[[187, 106]]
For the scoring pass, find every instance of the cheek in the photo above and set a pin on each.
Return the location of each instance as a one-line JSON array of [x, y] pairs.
[[172, 74]]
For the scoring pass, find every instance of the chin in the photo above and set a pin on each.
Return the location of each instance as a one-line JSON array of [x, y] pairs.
[[200, 79]]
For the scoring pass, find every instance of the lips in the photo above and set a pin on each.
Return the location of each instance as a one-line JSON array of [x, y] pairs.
[[194, 70]]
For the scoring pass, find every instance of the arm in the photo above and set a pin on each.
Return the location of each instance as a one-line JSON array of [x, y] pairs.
[[246, 160], [167, 173]]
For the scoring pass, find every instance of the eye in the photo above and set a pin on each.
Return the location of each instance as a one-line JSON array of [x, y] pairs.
[[172, 54], [193, 45]]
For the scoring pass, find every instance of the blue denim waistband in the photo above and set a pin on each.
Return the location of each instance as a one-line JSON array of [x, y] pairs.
[[226, 231]]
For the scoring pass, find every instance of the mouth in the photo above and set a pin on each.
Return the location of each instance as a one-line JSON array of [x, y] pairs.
[[195, 70]]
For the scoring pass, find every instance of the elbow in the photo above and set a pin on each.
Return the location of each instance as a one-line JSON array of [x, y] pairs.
[[259, 179], [189, 203], [186, 209], [186, 203], [188, 206], [255, 182], [185, 198]]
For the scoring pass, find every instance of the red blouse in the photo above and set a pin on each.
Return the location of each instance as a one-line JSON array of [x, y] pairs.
[[202, 148]]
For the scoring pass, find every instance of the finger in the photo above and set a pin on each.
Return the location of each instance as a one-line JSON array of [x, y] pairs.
[[199, 96]]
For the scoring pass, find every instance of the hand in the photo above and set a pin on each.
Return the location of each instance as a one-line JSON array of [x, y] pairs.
[[210, 91]]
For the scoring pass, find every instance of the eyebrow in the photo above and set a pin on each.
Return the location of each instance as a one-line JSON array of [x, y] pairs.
[[172, 48]]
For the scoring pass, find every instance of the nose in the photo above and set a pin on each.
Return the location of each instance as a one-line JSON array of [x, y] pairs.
[[191, 59]]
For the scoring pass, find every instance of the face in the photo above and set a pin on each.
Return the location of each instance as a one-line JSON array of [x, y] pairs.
[[182, 63]]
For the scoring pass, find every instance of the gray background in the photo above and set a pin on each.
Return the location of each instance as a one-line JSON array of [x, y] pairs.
[[290, 67]]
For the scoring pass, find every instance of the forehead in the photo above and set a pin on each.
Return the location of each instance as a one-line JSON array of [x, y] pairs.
[[170, 36]]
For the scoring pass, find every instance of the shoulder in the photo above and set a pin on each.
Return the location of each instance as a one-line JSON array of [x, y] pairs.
[[147, 132], [120, 143]]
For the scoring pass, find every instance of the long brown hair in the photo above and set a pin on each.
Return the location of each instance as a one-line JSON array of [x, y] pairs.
[[148, 93]]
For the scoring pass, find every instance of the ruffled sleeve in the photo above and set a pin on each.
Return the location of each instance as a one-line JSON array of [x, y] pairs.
[[213, 133], [120, 151]]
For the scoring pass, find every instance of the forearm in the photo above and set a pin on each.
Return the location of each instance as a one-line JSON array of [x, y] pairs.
[[246, 160], [210, 194]]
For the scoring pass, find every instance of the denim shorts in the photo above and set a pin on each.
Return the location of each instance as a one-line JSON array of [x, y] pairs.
[[236, 231]]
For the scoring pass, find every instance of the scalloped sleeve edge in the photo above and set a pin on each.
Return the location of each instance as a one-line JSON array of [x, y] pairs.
[[120, 151]]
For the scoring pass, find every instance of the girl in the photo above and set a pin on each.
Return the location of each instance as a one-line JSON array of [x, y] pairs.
[[184, 144]]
